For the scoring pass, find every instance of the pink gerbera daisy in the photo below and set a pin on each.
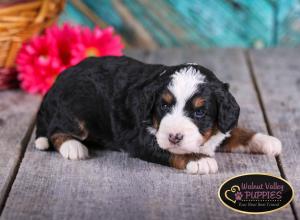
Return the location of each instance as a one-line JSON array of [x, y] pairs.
[[66, 37], [43, 58], [38, 64], [97, 43]]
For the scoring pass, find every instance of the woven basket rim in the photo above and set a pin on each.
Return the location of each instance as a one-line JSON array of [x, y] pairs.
[[10, 41], [15, 2]]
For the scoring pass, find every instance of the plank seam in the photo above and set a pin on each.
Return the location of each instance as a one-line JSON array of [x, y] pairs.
[[266, 120], [23, 146]]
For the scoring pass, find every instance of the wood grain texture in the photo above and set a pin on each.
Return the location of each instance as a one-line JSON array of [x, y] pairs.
[[111, 185], [278, 78], [16, 113]]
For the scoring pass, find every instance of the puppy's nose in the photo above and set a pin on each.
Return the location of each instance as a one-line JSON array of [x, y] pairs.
[[175, 138]]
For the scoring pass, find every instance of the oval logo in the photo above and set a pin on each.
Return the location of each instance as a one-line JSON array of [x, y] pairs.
[[256, 193]]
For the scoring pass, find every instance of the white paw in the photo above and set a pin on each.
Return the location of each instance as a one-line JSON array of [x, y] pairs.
[[207, 151], [41, 143], [261, 143], [211, 145], [74, 150], [203, 166]]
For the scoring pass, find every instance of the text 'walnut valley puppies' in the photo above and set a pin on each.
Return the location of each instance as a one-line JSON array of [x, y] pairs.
[[171, 115]]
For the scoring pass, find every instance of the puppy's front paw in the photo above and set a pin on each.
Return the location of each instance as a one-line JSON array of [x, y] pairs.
[[206, 151], [261, 143], [74, 150], [205, 165]]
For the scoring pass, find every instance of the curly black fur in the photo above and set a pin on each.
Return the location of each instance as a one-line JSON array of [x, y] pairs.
[[115, 99]]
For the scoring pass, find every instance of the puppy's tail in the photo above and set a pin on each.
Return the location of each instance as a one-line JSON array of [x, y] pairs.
[[41, 141]]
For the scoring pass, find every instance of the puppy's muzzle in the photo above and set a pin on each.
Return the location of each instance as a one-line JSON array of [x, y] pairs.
[[175, 138]]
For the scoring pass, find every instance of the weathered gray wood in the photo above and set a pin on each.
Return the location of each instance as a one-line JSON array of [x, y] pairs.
[[112, 186], [16, 113], [278, 77]]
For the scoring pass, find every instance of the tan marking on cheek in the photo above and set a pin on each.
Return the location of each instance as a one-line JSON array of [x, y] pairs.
[[167, 97], [83, 130], [179, 161], [58, 139], [210, 132], [198, 102], [207, 135], [155, 122]]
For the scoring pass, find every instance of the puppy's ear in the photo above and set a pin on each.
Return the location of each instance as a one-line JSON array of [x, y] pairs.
[[144, 101], [149, 99], [228, 109], [151, 88]]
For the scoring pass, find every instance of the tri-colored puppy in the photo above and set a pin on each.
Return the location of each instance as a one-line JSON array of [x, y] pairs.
[[171, 115]]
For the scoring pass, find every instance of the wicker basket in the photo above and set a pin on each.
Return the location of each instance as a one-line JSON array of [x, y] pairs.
[[20, 20]]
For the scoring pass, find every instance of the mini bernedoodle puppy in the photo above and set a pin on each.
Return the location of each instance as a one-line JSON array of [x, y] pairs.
[[172, 115]]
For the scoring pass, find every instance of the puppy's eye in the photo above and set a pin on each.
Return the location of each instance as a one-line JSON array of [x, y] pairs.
[[199, 113], [165, 107]]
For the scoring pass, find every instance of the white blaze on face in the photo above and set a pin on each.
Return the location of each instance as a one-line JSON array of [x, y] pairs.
[[183, 86]]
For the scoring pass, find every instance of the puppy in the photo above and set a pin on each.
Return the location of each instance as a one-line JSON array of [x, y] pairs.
[[170, 115]]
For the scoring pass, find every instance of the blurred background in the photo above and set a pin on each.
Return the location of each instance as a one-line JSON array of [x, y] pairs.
[[35, 50], [203, 23]]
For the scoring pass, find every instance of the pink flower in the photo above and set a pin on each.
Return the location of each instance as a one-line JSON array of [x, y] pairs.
[[38, 64], [66, 38], [97, 43], [43, 58]]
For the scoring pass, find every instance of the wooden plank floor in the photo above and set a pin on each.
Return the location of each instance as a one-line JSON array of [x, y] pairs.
[[112, 186], [277, 73], [16, 114]]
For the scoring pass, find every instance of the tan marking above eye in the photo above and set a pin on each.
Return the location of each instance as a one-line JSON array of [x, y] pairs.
[[198, 102], [167, 97]]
